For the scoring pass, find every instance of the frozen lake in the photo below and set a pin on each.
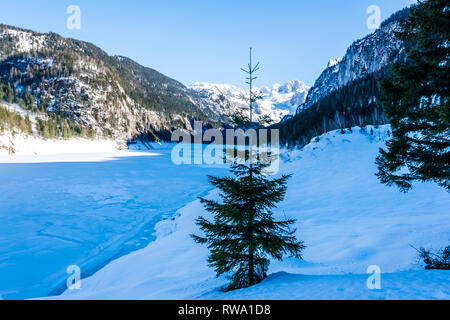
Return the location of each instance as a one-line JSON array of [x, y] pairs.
[[57, 214]]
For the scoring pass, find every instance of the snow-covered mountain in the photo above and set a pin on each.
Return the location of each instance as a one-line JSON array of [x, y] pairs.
[[347, 94], [365, 56], [220, 100]]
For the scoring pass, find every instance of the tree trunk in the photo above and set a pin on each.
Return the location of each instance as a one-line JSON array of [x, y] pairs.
[[251, 263]]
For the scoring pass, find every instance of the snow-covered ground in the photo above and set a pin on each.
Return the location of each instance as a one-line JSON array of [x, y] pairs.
[[30, 148], [348, 220]]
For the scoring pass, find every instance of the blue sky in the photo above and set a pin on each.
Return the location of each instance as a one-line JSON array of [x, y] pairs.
[[208, 40]]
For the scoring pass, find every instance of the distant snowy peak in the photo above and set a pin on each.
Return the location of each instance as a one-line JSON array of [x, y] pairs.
[[222, 100], [334, 62]]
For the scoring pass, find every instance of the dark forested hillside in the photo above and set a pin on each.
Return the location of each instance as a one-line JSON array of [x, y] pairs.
[[356, 104]]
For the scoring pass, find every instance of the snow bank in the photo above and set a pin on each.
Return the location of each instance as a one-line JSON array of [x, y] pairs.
[[18, 145], [348, 220], [28, 145], [21, 148]]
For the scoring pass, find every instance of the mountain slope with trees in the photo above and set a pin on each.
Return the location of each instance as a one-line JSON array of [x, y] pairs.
[[346, 94], [85, 91]]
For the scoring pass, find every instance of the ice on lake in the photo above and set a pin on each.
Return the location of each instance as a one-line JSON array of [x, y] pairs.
[[57, 212]]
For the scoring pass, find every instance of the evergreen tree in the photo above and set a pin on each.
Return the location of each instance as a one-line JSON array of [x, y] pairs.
[[9, 95], [45, 131], [416, 101], [28, 125], [244, 232]]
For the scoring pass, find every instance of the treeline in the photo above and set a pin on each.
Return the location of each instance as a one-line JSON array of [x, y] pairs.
[[18, 85], [27, 101], [6, 93], [56, 127], [397, 16], [27, 74], [355, 104], [48, 127], [13, 120]]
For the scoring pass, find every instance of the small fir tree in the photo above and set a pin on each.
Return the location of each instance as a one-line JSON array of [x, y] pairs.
[[244, 233]]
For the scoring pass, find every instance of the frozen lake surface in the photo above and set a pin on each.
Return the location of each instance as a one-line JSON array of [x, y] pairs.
[[57, 211]]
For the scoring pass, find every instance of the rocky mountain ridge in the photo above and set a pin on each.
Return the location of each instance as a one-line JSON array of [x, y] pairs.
[[221, 100], [364, 57]]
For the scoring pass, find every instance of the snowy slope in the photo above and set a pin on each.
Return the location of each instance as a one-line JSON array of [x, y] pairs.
[[348, 220], [220, 100]]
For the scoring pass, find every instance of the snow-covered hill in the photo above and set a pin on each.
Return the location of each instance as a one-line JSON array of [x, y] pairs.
[[221, 100], [348, 220]]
